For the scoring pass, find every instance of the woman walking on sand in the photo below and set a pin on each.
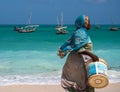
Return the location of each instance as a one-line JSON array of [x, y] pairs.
[[74, 74]]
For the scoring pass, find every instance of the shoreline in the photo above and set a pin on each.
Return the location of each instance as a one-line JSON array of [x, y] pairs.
[[112, 87]]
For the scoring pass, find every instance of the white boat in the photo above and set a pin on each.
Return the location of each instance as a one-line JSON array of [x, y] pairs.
[[60, 28], [113, 28], [26, 28]]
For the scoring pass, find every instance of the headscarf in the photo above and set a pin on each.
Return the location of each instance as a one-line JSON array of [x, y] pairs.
[[80, 21]]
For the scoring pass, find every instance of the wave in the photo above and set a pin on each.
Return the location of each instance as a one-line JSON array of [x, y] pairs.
[[42, 67], [28, 79], [114, 77]]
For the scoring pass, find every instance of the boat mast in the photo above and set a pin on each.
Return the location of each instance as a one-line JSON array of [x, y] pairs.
[[29, 19], [61, 19], [58, 22]]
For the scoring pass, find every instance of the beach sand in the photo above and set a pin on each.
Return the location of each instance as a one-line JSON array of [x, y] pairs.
[[52, 88]]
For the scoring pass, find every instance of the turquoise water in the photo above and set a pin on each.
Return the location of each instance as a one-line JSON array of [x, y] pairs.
[[31, 58]]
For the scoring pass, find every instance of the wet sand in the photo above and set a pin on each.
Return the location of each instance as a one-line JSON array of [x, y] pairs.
[[114, 87]]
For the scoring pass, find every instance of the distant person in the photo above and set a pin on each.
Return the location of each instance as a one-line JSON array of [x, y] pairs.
[[79, 45]]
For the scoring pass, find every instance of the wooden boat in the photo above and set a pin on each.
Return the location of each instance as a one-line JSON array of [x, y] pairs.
[[26, 28], [114, 29], [60, 29]]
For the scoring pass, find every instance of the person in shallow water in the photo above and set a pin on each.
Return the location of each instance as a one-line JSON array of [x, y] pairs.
[[79, 46]]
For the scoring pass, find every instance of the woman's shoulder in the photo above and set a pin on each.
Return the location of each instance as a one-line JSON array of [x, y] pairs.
[[81, 31]]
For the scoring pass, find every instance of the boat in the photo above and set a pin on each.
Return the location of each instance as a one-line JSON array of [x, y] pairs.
[[97, 27], [26, 28], [60, 29], [113, 28]]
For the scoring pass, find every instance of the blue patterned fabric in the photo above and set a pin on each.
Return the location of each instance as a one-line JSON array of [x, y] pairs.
[[78, 39]]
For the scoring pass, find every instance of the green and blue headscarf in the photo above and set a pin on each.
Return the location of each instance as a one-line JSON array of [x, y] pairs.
[[80, 21]]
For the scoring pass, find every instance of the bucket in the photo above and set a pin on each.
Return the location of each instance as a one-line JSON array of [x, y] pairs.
[[100, 60], [97, 74]]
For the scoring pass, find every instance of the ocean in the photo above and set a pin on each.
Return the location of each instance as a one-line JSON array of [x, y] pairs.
[[31, 58]]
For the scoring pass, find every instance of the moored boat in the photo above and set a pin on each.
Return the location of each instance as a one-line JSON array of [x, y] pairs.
[[26, 28], [60, 29], [114, 29]]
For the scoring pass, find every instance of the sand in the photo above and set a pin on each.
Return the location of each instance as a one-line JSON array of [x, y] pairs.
[[52, 88]]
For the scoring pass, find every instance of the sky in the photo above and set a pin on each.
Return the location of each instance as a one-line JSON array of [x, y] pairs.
[[47, 11]]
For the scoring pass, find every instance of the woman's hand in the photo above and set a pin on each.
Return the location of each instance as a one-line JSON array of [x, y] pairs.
[[60, 53]]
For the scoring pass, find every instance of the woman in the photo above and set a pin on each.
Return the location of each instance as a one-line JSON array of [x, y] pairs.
[[74, 75]]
